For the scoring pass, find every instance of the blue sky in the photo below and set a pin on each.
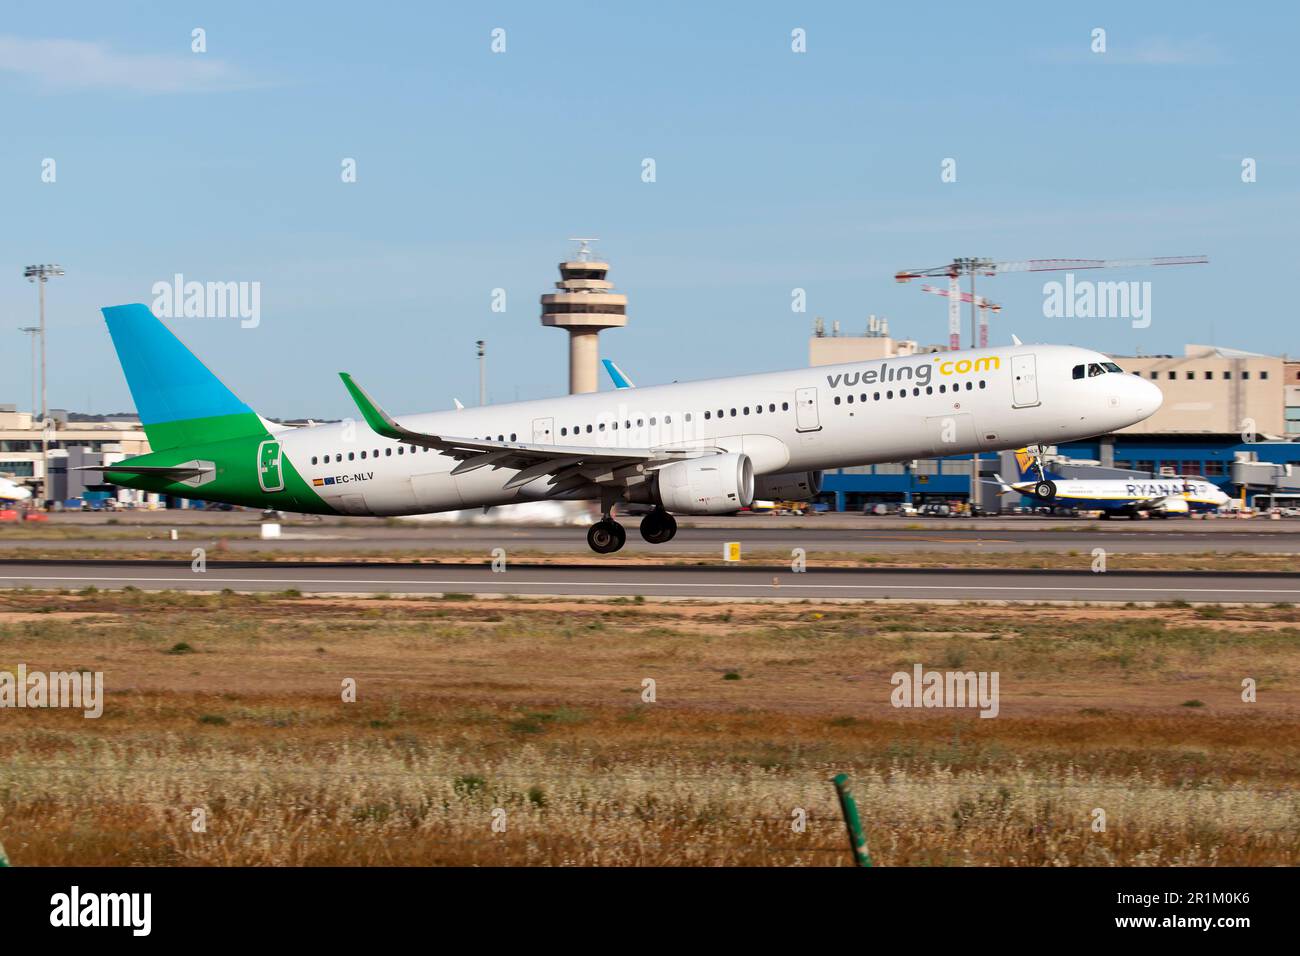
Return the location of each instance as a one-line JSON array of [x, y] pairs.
[[775, 171]]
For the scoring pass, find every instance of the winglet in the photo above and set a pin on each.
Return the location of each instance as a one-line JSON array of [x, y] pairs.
[[378, 420]]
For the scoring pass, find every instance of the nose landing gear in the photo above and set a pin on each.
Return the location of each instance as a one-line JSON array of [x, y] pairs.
[[658, 527]]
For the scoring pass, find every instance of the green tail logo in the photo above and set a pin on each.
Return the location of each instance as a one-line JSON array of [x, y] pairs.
[[269, 475]]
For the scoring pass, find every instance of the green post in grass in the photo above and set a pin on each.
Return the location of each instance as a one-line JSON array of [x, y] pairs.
[[857, 837]]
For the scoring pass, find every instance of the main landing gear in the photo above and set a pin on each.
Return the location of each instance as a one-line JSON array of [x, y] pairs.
[[607, 536], [658, 526]]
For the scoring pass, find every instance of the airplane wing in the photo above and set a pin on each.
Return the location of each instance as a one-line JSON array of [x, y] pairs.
[[1005, 487], [569, 466]]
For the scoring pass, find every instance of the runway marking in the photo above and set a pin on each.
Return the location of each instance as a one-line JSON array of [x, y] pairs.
[[652, 584]]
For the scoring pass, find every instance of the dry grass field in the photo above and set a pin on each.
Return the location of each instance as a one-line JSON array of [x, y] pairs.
[[530, 713]]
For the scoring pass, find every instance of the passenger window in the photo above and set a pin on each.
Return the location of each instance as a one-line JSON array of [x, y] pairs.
[[401, 449], [708, 415], [313, 459], [785, 406], [733, 413], [512, 437], [688, 416], [668, 419], [889, 394], [875, 396], [982, 383], [388, 452], [652, 421], [352, 456], [929, 390], [564, 431], [837, 399]]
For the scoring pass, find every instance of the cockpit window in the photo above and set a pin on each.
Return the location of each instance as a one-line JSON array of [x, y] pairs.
[[1095, 369], [1078, 371], [1111, 367]]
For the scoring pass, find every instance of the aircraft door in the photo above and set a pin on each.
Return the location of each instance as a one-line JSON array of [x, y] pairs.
[[543, 431], [1024, 384], [805, 405]]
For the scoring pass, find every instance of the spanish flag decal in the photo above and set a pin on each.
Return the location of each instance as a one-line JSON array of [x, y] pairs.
[[317, 482]]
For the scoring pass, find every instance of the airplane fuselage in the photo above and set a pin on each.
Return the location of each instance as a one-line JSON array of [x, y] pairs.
[[793, 421]]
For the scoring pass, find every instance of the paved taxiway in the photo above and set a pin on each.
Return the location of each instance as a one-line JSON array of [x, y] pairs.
[[693, 582], [825, 534]]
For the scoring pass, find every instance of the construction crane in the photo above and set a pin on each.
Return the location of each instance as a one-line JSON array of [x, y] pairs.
[[981, 303], [987, 267]]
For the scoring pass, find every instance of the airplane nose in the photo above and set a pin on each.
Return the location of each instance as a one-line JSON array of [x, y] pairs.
[[1149, 398]]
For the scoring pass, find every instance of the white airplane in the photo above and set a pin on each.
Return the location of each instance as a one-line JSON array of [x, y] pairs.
[[694, 448], [11, 491], [1161, 497]]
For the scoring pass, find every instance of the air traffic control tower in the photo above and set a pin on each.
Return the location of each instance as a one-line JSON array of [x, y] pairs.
[[585, 304]]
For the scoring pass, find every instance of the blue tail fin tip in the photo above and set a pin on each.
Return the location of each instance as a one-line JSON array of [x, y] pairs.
[[168, 383]]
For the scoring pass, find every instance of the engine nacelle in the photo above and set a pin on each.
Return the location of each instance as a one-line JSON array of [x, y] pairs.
[[794, 486], [713, 485]]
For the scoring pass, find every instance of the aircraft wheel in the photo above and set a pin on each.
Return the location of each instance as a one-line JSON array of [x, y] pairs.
[[1105, 516], [1045, 489], [658, 527], [606, 536]]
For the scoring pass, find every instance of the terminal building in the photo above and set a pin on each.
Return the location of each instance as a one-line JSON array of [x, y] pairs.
[[1230, 416], [74, 441]]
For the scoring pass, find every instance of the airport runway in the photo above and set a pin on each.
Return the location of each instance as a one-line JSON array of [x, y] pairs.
[[693, 582], [827, 534]]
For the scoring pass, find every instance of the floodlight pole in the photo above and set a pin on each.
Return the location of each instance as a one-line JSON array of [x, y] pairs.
[[40, 274], [482, 371], [32, 331]]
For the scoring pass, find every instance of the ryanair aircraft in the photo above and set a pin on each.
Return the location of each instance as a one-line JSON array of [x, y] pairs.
[[1160, 497], [694, 448], [11, 491]]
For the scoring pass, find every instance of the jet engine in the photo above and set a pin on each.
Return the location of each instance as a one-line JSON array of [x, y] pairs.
[[713, 485], [793, 486]]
